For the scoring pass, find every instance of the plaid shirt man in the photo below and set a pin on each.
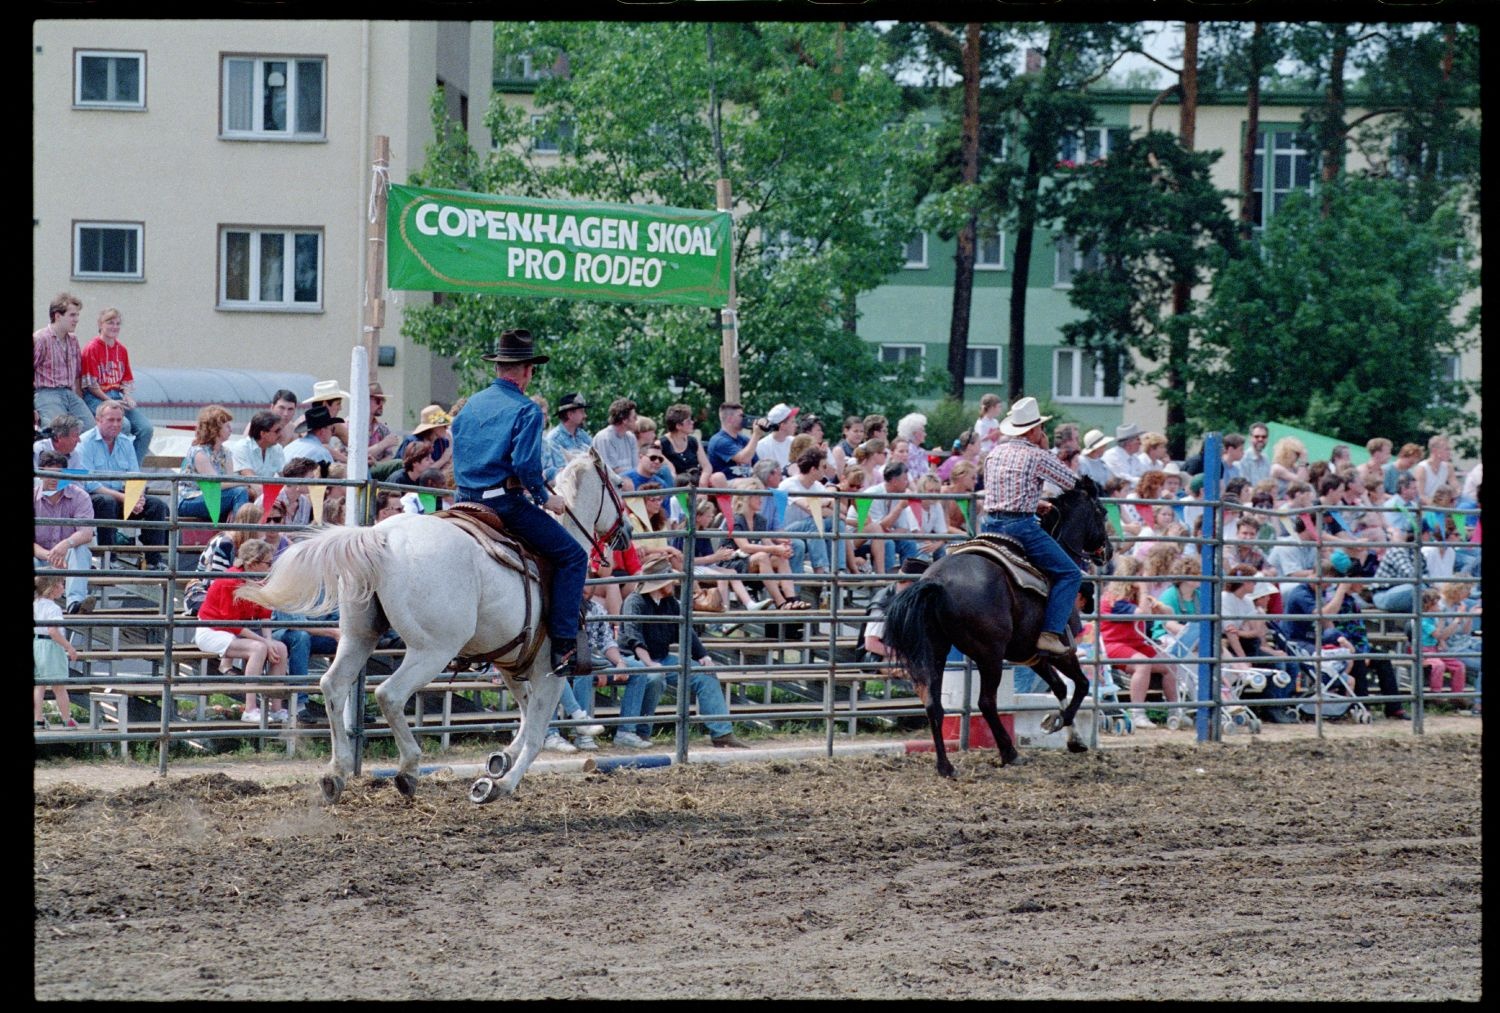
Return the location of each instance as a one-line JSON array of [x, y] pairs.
[[1014, 472], [55, 361]]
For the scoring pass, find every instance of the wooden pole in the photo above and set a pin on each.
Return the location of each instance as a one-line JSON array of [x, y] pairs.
[[375, 254], [729, 347]]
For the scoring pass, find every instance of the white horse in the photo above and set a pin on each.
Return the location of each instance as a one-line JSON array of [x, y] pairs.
[[429, 581]]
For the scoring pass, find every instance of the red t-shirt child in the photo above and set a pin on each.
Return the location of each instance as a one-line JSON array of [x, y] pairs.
[[221, 604], [109, 367]]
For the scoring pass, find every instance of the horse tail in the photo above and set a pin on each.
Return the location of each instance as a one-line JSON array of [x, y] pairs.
[[908, 631], [310, 575]]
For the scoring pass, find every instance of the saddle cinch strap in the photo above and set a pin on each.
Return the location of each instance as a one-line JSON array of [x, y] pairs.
[[486, 528], [1010, 555]]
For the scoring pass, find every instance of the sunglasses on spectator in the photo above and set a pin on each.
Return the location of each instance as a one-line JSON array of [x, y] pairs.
[[655, 457]]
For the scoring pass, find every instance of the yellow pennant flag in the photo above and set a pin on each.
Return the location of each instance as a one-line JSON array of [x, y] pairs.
[[637, 508], [135, 488], [815, 507], [315, 493]]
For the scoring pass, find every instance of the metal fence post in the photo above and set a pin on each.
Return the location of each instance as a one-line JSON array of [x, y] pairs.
[[1208, 604]]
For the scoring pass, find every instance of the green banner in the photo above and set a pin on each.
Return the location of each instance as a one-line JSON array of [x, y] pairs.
[[450, 241]]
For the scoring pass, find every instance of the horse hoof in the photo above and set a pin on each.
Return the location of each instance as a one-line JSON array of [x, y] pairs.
[[1052, 722], [332, 787], [498, 764], [484, 790], [1075, 746], [947, 772], [1013, 760], [406, 785]]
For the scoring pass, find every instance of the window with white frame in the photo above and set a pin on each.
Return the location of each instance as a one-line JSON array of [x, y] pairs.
[[1078, 375], [989, 249], [270, 268], [915, 251], [787, 244], [1091, 144], [274, 97], [108, 250], [894, 355], [549, 134], [1283, 165], [1069, 261], [982, 364], [106, 79]]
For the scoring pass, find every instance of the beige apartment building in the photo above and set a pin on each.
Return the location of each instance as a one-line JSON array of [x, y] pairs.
[[212, 180]]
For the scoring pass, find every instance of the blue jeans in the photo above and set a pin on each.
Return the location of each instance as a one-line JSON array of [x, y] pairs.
[[1397, 598], [231, 498], [301, 645], [1046, 555], [50, 402], [897, 551], [642, 697], [537, 529], [814, 548], [135, 423]]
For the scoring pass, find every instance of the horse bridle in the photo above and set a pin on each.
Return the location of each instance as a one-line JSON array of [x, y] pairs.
[[615, 529], [1098, 556]]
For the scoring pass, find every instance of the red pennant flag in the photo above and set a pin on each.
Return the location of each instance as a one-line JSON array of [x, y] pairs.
[[727, 510], [916, 510], [267, 497]]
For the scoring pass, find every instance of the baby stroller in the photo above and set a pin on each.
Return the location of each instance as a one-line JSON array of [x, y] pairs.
[[1113, 719], [1233, 715], [1332, 678]]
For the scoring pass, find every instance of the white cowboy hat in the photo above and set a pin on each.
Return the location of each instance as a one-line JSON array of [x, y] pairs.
[[327, 390], [1128, 431], [1261, 590], [1024, 414], [1094, 440]]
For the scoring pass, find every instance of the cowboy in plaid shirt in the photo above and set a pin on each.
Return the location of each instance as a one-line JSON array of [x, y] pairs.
[[1013, 475]]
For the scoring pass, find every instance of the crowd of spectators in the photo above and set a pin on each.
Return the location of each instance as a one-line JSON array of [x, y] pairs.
[[1288, 522]]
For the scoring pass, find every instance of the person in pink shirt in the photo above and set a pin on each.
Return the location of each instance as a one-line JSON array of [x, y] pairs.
[[105, 375]]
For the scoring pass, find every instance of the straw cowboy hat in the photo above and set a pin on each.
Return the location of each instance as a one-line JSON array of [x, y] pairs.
[[432, 417], [1128, 431], [1024, 415], [651, 570], [376, 390], [327, 390], [1094, 440], [515, 348]]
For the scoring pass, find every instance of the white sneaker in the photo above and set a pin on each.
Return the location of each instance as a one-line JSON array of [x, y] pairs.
[[281, 714], [1140, 720], [587, 730], [253, 714], [557, 744], [586, 743], [631, 740]]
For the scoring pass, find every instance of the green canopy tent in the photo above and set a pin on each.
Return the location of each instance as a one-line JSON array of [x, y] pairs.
[[1319, 447]]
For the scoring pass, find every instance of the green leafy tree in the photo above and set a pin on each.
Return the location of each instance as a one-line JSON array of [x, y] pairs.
[[1158, 225], [1342, 324], [823, 175]]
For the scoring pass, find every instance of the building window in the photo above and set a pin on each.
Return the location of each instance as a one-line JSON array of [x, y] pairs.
[[1078, 375], [1069, 261], [894, 355], [1091, 144], [109, 80], [108, 250], [530, 68], [983, 365], [269, 97], [786, 245], [270, 268], [1288, 169], [549, 134], [989, 249], [915, 251]]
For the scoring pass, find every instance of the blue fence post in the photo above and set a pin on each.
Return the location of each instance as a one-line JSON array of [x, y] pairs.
[[1208, 590]]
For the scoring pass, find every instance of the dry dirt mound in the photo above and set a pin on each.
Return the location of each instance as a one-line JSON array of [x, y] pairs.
[[1304, 870]]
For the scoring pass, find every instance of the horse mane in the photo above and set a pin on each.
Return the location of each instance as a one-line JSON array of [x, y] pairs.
[[566, 482]]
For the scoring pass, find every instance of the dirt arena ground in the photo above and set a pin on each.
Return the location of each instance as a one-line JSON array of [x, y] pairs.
[[1281, 868]]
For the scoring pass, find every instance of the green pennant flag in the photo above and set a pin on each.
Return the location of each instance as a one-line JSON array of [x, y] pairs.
[[682, 501], [963, 508], [428, 501], [211, 493], [862, 510], [1112, 511]]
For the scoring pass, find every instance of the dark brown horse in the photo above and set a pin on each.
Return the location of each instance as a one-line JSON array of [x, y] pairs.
[[967, 601]]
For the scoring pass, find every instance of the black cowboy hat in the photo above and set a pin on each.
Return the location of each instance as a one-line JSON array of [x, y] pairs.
[[516, 348], [319, 416], [916, 565], [570, 401]]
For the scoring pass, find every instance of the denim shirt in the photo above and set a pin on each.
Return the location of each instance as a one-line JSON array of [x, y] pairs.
[[558, 448], [498, 436]]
